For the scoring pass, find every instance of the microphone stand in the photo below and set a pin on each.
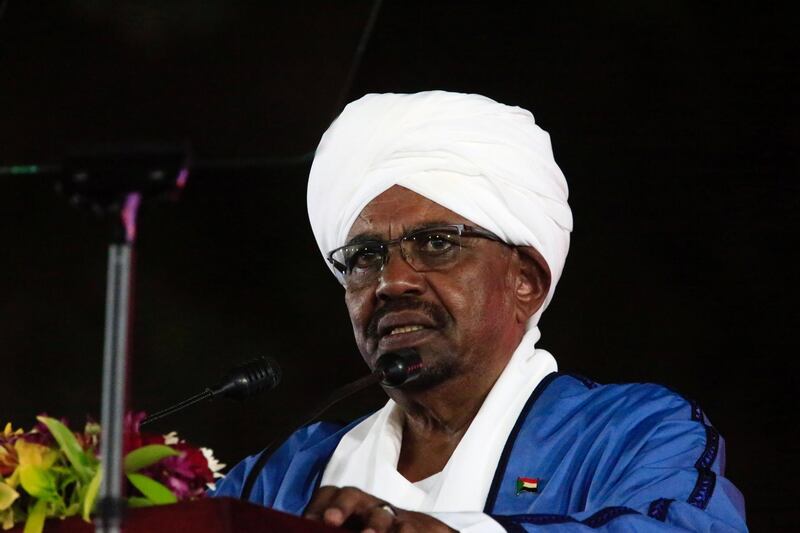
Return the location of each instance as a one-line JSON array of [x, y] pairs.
[[114, 180], [116, 351]]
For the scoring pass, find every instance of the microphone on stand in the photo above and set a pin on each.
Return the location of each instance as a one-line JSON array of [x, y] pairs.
[[392, 370], [255, 376], [248, 379]]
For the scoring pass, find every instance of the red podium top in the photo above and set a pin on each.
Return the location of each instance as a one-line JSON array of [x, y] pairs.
[[222, 515]]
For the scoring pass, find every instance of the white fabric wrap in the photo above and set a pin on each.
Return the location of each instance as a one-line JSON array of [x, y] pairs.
[[488, 162]]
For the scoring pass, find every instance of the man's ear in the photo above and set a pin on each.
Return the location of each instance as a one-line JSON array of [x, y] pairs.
[[532, 283]]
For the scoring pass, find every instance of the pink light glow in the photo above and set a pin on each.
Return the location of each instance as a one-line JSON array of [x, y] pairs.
[[183, 177], [128, 214]]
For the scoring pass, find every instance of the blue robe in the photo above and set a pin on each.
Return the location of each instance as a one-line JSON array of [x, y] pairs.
[[631, 457]]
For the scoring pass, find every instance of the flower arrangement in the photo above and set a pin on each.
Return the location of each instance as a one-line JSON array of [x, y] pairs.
[[53, 472]]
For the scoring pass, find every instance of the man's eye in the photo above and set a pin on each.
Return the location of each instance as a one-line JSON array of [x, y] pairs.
[[363, 259], [437, 243]]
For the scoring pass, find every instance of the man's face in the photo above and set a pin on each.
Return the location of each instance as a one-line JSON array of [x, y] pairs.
[[468, 313]]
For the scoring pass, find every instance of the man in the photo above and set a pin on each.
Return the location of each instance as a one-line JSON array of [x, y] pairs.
[[445, 218]]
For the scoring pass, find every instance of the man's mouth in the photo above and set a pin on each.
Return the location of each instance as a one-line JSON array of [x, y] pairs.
[[405, 329], [404, 336], [404, 321], [397, 324]]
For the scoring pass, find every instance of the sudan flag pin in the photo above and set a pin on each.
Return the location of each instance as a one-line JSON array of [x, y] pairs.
[[527, 484]]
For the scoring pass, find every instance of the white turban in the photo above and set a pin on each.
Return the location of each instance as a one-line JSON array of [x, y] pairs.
[[488, 162]]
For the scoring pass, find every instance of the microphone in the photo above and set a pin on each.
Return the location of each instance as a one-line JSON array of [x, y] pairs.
[[254, 376], [398, 368], [248, 379]]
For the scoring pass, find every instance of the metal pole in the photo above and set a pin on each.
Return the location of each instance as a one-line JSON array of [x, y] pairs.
[[115, 366]]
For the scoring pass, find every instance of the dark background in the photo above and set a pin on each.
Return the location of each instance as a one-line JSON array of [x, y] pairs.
[[674, 122]]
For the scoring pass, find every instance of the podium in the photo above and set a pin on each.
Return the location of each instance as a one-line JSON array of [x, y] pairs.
[[218, 515]]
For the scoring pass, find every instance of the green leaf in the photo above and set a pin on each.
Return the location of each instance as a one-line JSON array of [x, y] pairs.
[[38, 482], [69, 445], [35, 521], [152, 489], [91, 493], [138, 501], [146, 456]]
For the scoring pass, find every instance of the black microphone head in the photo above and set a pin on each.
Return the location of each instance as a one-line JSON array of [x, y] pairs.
[[398, 368], [254, 376]]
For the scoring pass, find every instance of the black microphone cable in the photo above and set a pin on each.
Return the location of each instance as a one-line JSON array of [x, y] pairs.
[[393, 369]]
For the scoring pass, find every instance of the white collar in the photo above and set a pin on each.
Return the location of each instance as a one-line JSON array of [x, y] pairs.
[[367, 455]]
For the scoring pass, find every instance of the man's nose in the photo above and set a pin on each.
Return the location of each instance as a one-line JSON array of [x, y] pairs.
[[398, 278]]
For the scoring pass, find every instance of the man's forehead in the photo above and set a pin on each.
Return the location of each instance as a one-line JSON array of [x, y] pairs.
[[398, 210]]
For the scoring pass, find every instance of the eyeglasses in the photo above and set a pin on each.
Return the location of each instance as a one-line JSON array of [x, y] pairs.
[[431, 249]]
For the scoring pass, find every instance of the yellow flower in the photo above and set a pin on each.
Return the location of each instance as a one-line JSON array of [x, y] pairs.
[[12, 480], [32, 454], [8, 460], [8, 432], [7, 518], [7, 496], [35, 475]]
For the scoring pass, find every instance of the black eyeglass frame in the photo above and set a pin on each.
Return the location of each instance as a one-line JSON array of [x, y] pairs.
[[383, 246]]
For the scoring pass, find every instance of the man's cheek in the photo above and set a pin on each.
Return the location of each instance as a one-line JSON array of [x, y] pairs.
[[361, 342], [356, 313], [360, 336]]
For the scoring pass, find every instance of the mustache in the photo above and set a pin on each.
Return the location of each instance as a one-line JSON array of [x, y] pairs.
[[437, 315]]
